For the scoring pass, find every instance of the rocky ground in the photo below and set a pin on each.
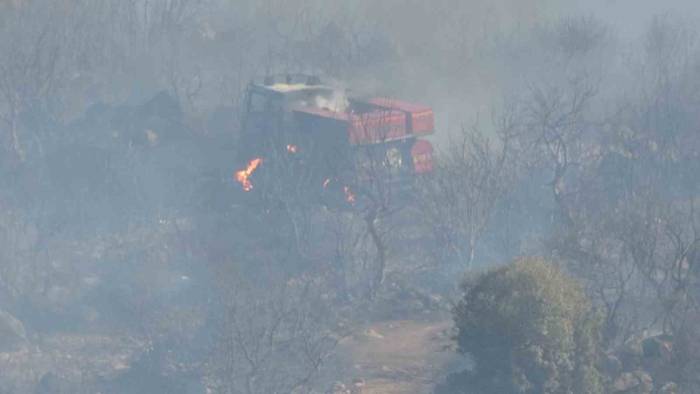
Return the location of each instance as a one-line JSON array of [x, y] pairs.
[[383, 357], [398, 356], [61, 363]]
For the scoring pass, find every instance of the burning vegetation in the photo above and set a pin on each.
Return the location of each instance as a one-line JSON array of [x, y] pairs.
[[349, 195]]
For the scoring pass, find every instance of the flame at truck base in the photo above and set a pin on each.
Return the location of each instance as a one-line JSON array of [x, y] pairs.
[[243, 176]]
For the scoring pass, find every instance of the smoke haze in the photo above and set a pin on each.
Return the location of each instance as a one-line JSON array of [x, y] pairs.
[[165, 230]]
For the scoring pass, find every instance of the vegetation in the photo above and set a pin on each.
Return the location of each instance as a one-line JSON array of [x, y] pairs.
[[529, 329]]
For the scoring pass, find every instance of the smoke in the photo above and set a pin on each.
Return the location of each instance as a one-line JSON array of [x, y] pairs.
[[337, 101]]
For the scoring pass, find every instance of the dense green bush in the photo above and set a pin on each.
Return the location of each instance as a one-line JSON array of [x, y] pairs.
[[529, 329]]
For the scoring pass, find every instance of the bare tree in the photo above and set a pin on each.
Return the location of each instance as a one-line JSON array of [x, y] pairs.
[[271, 340], [623, 192], [32, 66], [459, 200]]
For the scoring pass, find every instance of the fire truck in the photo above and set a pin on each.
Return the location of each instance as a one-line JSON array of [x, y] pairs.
[[299, 133]]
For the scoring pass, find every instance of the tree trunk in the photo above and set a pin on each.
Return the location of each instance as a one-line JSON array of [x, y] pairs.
[[371, 220], [16, 145]]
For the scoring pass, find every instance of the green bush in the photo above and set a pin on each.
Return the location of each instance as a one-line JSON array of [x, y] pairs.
[[529, 329]]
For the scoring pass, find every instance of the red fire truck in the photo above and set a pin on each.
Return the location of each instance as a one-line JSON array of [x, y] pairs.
[[302, 132]]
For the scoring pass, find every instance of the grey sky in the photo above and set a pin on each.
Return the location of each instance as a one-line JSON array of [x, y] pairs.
[[628, 17]]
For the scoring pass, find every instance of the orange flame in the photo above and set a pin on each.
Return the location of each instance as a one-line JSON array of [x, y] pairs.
[[292, 148], [243, 176], [349, 195]]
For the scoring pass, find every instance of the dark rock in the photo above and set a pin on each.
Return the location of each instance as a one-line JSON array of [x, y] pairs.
[[49, 384], [611, 364], [12, 332], [669, 388], [162, 105], [631, 354], [660, 346], [637, 382]]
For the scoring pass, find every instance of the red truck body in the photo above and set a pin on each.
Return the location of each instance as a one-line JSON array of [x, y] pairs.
[[343, 132]]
